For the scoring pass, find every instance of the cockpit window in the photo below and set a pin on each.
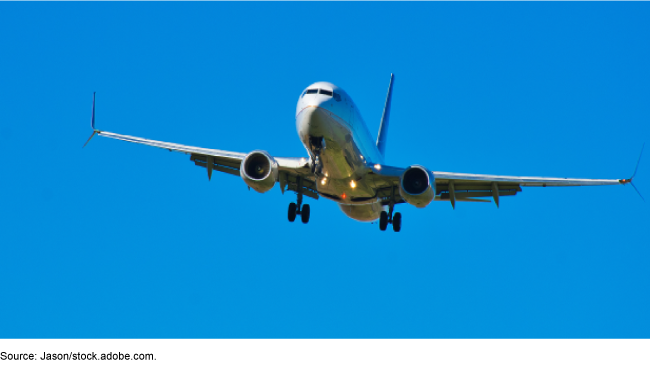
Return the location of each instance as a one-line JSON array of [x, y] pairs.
[[312, 91], [326, 92], [337, 97]]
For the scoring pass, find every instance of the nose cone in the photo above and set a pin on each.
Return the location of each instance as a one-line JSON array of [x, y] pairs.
[[314, 107], [312, 121], [316, 100]]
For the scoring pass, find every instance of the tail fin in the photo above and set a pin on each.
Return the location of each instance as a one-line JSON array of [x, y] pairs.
[[383, 126]]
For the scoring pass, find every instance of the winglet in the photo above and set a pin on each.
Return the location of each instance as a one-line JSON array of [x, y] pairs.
[[92, 122], [626, 181], [383, 126]]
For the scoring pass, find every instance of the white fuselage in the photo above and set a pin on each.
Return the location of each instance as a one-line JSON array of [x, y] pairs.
[[346, 148]]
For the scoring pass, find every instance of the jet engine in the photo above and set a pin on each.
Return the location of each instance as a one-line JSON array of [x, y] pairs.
[[259, 171], [416, 186]]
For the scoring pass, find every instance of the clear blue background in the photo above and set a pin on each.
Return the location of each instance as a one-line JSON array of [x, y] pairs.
[[123, 240]]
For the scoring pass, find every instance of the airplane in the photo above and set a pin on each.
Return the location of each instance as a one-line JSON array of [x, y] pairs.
[[346, 165]]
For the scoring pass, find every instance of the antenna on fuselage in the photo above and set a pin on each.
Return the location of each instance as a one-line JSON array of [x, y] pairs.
[[383, 126]]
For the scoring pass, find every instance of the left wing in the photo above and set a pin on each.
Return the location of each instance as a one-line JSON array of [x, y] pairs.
[[294, 172]]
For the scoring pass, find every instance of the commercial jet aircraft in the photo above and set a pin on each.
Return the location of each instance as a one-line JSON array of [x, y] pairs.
[[346, 165]]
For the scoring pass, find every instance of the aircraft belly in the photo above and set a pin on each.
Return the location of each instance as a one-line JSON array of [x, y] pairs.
[[363, 213]]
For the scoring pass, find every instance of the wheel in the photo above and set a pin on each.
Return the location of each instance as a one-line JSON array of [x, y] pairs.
[[304, 215], [397, 222], [292, 212], [383, 221]]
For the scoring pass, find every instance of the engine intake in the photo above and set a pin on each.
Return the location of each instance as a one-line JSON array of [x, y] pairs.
[[416, 186], [259, 171]]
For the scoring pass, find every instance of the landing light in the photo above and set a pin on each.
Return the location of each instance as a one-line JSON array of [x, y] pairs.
[[323, 181], [377, 167], [353, 184]]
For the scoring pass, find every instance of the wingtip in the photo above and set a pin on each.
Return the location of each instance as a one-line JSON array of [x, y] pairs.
[[92, 119], [636, 168], [92, 122], [91, 137], [638, 161], [637, 191]]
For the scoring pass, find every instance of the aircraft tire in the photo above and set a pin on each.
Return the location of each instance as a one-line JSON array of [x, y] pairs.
[[397, 222], [292, 212], [383, 221], [304, 215]]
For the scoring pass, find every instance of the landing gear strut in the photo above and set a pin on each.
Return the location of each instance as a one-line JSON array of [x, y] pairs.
[[386, 218], [317, 144], [299, 209]]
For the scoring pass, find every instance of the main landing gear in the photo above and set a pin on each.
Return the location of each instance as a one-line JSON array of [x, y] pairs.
[[299, 209], [386, 218], [395, 220]]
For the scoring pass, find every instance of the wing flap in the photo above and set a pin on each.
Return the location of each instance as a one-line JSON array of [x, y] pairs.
[[478, 194], [308, 187], [460, 178], [224, 166]]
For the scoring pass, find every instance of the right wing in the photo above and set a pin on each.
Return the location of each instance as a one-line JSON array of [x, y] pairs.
[[454, 186]]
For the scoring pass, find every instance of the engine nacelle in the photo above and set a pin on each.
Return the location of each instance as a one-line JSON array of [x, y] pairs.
[[416, 186], [259, 171]]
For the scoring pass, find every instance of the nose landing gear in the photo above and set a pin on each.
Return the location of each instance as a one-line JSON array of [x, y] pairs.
[[317, 144], [316, 165]]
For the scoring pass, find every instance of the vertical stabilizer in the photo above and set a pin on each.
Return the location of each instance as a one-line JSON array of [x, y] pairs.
[[383, 126]]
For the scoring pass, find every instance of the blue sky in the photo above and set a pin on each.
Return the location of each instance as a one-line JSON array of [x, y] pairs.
[[121, 240]]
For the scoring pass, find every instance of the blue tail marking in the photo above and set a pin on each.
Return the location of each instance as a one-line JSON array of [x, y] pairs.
[[383, 126]]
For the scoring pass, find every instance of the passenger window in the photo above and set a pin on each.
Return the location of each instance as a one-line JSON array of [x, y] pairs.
[[337, 97], [312, 91], [326, 92]]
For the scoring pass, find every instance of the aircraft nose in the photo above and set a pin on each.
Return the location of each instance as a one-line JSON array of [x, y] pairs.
[[323, 97], [321, 101], [312, 121]]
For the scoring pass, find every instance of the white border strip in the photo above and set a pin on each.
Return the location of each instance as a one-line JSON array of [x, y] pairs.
[[298, 351]]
